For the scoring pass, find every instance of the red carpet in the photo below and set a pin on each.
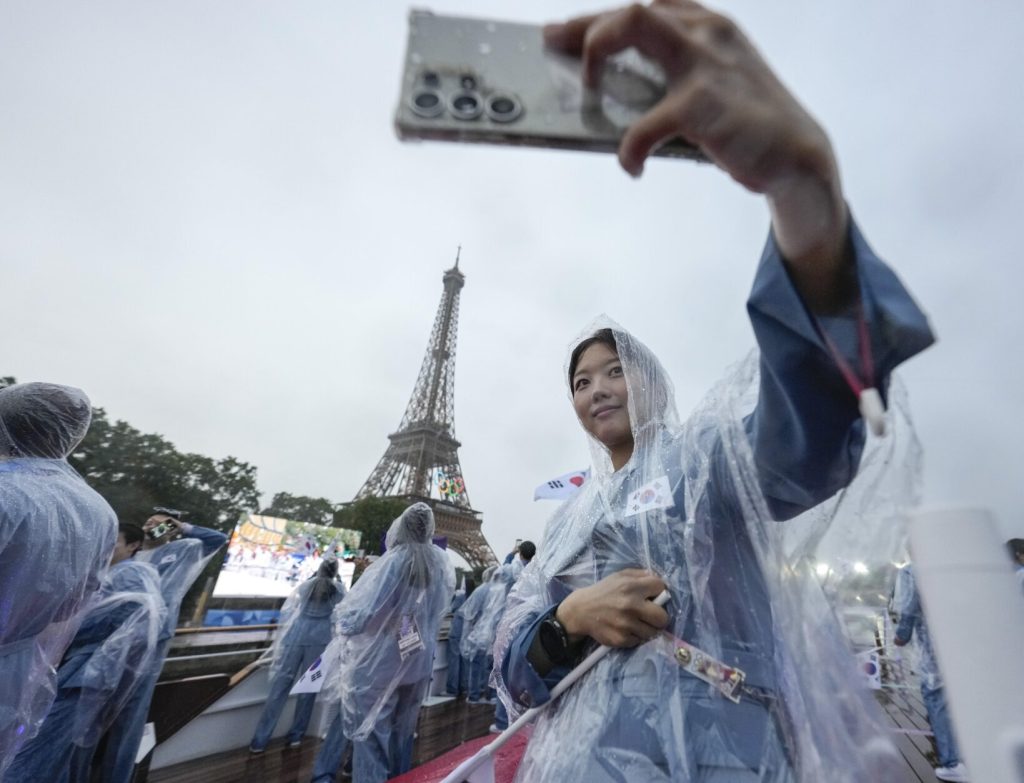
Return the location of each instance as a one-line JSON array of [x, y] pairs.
[[505, 764]]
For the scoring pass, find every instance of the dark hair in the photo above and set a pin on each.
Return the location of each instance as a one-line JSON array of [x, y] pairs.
[[603, 336], [527, 550], [133, 534], [1016, 547], [470, 584], [323, 583]]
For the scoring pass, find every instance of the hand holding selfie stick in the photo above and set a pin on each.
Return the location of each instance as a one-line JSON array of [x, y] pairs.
[[469, 771]]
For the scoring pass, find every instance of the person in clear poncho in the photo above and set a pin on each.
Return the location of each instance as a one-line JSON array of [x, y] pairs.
[[480, 615], [380, 661], [110, 656], [698, 508], [56, 535], [303, 632], [179, 556], [912, 626]]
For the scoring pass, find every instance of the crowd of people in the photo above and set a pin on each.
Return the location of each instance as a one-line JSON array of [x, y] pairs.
[[277, 563]]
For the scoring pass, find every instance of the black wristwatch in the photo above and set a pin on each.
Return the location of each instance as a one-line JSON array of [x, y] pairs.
[[555, 640]]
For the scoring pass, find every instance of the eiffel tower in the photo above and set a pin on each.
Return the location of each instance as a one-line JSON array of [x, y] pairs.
[[424, 446]]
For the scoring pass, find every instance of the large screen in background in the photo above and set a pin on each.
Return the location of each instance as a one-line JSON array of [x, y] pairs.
[[269, 556]]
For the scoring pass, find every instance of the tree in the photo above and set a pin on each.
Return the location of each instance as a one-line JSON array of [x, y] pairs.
[[372, 517], [7, 380], [136, 471], [318, 511]]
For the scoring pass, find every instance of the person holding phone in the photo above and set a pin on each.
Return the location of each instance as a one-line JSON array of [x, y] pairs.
[[179, 551], [744, 675]]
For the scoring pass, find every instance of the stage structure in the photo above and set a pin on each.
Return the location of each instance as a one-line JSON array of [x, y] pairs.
[[423, 455]]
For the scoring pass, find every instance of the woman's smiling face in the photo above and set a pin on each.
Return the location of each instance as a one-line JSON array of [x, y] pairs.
[[600, 397]]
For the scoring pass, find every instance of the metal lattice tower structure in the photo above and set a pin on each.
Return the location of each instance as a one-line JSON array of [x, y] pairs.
[[425, 440]]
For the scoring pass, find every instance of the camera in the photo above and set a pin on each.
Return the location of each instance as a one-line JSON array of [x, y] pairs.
[[477, 80], [159, 531]]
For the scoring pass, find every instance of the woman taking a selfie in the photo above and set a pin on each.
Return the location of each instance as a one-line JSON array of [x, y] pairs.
[[743, 675]]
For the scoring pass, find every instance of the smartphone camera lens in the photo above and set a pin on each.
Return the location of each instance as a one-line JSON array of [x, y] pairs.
[[468, 82], [503, 108], [465, 105], [427, 103]]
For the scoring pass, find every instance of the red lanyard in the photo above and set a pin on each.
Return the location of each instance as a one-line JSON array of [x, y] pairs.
[[870, 401]]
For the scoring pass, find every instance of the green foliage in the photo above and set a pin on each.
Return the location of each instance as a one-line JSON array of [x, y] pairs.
[[7, 380], [135, 471], [372, 517], [318, 511]]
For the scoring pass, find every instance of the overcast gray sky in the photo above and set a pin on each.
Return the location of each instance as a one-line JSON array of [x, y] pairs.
[[207, 223]]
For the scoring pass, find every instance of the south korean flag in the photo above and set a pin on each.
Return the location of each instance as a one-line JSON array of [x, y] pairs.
[[563, 487]]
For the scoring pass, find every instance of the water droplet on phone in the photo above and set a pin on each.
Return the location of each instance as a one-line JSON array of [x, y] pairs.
[[485, 48]]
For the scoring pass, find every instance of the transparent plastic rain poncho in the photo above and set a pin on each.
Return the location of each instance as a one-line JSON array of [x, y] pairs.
[[112, 652], [743, 589], [386, 627], [920, 655], [115, 647], [56, 538], [306, 614], [482, 612]]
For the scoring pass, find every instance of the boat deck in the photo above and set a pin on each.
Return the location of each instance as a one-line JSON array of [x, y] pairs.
[[447, 726]]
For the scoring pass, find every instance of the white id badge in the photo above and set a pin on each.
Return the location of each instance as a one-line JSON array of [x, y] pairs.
[[409, 640]]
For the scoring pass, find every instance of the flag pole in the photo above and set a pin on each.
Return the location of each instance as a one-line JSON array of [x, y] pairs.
[[461, 773]]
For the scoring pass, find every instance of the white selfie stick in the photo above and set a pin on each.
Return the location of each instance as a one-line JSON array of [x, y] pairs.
[[464, 772]]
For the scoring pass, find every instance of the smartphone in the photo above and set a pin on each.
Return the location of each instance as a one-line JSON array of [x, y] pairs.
[[478, 80]]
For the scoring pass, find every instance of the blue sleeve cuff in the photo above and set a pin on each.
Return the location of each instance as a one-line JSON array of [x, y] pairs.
[[526, 686], [898, 327]]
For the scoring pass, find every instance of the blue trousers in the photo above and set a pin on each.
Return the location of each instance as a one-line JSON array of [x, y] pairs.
[[479, 672], [296, 660], [458, 668], [331, 753], [501, 716], [938, 716], [386, 752]]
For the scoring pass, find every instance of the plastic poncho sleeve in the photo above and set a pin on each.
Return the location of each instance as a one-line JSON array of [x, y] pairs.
[[179, 562], [806, 432], [212, 540]]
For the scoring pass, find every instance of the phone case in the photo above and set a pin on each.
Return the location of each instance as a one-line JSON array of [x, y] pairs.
[[477, 80]]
